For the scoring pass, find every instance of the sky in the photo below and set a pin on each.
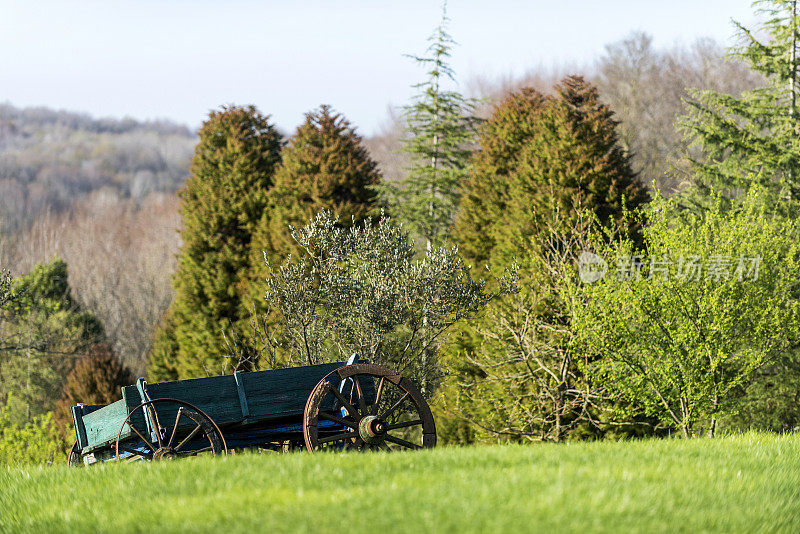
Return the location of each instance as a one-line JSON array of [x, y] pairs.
[[178, 59]]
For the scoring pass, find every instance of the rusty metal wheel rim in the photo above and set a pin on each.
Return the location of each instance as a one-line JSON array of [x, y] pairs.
[[368, 427], [163, 447]]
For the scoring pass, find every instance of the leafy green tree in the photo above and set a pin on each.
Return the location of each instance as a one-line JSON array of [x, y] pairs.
[[713, 299], [326, 166], [222, 204], [440, 132], [96, 378], [43, 331], [753, 139]]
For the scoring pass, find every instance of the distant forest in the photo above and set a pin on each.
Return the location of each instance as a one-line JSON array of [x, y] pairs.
[[49, 159]]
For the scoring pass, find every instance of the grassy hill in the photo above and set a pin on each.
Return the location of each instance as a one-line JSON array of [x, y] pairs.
[[737, 484]]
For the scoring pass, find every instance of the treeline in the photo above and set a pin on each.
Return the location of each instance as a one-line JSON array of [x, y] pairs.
[[51, 159]]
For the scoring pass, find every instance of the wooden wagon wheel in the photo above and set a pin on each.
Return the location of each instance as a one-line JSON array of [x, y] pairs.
[[398, 417], [171, 440], [74, 456]]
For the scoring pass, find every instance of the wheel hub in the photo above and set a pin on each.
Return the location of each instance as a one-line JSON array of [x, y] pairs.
[[372, 429]]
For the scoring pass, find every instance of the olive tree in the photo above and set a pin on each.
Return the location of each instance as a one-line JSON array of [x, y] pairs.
[[361, 289]]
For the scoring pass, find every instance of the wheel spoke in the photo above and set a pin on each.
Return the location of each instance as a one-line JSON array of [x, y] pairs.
[[388, 412], [404, 424], [400, 441], [374, 410], [156, 424], [146, 441], [338, 437], [189, 437], [195, 452], [362, 402], [343, 422], [346, 405], [384, 446], [175, 427]]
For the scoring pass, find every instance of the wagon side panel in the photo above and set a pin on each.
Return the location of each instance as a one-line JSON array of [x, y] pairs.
[[281, 393], [217, 396]]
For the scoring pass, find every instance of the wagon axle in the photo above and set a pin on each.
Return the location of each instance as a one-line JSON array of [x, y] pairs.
[[372, 429]]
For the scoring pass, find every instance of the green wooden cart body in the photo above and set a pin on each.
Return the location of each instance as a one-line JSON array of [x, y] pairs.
[[243, 403]]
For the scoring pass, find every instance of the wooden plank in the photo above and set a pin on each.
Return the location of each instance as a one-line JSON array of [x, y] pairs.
[[282, 392], [103, 425], [80, 430], [217, 396]]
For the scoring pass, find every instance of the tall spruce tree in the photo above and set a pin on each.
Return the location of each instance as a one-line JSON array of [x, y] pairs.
[[440, 131], [752, 139], [326, 166], [222, 204]]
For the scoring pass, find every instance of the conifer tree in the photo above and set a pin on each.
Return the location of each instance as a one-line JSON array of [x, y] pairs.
[[326, 166], [485, 190], [440, 130], [752, 139], [222, 203], [540, 155]]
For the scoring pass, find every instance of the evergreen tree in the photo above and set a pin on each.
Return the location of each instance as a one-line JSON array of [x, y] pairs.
[[162, 364], [43, 330], [485, 190], [541, 155], [222, 203], [752, 139], [326, 166], [440, 130], [96, 379]]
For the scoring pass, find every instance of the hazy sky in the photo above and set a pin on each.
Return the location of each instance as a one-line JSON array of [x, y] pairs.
[[177, 59]]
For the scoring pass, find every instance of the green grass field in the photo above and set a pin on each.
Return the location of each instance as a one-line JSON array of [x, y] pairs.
[[747, 483]]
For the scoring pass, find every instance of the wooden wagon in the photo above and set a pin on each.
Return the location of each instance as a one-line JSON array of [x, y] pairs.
[[338, 407]]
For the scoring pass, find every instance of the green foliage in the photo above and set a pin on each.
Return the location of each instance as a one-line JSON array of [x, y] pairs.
[[326, 166], [547, 168], [34, 442], [359, 289], [737, 484], [43, 330], [97, 378], [440, 130], [161, 365], [222, 204], [516, 371], [679, 341], [541, 155], [754, 139]]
